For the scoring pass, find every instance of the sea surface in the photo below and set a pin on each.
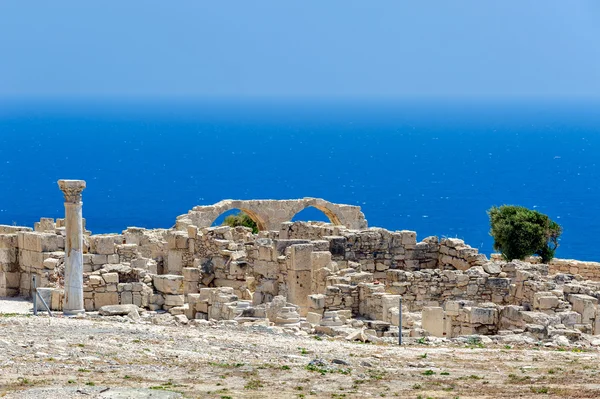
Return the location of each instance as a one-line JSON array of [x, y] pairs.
[[435, 167]]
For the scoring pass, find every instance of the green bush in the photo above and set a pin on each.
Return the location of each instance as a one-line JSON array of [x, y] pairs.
[[241, 219], [520, 232]]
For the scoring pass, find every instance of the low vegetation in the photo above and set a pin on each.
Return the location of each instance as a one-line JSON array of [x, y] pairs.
[[241, 219]]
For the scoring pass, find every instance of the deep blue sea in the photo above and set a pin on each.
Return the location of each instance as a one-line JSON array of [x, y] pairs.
[[430, 166]]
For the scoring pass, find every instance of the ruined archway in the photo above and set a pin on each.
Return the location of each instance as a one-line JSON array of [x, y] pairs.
[[260, 224], [270, 214], [313, 212]]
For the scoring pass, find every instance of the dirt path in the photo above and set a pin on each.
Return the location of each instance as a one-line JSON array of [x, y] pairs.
[[48, 358]]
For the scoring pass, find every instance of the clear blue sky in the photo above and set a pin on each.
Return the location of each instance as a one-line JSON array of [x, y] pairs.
[[396, 48]]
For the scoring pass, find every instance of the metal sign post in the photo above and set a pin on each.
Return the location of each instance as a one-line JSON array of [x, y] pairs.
[[33, 280]]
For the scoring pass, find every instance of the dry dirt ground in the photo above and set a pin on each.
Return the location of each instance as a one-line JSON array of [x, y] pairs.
[[42, 357]]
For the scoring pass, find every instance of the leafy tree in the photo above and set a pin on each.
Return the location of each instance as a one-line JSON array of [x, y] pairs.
[[241, 219], [520, 232]]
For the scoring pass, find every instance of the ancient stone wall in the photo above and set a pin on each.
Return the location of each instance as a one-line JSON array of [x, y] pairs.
[[269, 214], [588, 270], [323, 275]]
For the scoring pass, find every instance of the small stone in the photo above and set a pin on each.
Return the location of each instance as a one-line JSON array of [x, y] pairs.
[[340, 361], [117, 310], [561, 340]]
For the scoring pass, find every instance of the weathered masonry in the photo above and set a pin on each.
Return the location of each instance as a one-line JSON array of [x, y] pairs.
[[269, 214], [338, 278]]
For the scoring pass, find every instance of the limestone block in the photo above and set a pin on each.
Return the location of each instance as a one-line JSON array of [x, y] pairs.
[[8, 241], [8, 255], [434, 321], [345, 314], [193, 299], [331, 319], [317, 301], [137, 286], [88, 305], [301, 257], [267, 269], [223, 282], [102, 244], [266, 253], [174, 300], [137, 299], [157, 299], [202, 306], [267, 286], [545, 301], [117, 310], [570, 319], [44, 225], [476, 315], [177, 240], [320, 260], [32, 259], [105, 298], [140, 263], [99, 259], [389, 302], [125, 287], [57, 300], [50, 263], [299, 288], [152, 266], [175, 261], [395, 317], [192, 231], [287, 316], [168, 283], [585, 305], [492, 268], [38, 242], [111, 278], [313, 318], [409, 237], [113, 259], [190, 287], [191, 274], [95, 280], [126, 297]]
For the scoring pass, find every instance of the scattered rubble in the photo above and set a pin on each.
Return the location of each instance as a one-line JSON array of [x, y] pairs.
[[311, 278]]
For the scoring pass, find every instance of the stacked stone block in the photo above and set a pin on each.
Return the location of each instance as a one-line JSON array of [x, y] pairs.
[[34, 248], [461, 318]]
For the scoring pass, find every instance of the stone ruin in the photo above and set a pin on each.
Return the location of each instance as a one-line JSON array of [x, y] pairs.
[[340, 279]]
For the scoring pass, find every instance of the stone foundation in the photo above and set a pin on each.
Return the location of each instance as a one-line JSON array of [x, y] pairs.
[[314, 276]]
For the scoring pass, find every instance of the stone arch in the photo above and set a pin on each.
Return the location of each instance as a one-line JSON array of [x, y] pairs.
[[333, 218], [253, 215], [205, 215], [270, 214], [260, 224]]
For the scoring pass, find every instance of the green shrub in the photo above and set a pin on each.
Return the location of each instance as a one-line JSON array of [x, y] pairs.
[[241, 219], [520, 232]]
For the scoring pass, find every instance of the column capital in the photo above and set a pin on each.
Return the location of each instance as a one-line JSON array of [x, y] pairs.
[[72, 189]]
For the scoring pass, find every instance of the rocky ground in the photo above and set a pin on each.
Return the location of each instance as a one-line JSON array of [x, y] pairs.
[[153, 357]]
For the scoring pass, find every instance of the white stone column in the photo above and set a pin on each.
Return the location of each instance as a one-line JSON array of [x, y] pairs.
[[73, 302]]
